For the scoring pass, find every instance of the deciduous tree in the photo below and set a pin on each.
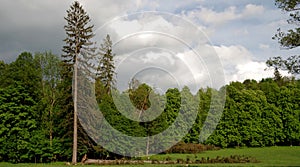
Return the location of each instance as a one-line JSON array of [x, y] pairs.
[[289, 39]]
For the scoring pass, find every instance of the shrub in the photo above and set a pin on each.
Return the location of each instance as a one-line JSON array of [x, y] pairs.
[[190, 148]]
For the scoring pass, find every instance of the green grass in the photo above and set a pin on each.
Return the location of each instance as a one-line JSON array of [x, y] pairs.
[[268, 156]]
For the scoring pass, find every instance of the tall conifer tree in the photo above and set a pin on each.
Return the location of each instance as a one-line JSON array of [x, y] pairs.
[[106, 69], [78, 41]]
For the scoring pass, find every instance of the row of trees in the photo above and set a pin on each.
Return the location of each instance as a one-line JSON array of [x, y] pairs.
[[260, 114], [36, 125], [264, 113]]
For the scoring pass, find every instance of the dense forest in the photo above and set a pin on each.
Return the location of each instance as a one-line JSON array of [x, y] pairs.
[[39, 123], [36, 124]]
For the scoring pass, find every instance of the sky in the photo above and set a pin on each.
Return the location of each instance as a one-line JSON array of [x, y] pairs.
[[163, 43]]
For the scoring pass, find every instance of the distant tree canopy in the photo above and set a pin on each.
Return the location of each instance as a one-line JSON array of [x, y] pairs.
[[140, 96]]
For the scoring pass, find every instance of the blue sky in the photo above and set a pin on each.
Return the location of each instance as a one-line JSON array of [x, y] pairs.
[[240, 31]]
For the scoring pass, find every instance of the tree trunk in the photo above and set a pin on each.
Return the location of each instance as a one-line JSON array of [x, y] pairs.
[[147, 149], [74, 157], [51, 119], [84, 158]]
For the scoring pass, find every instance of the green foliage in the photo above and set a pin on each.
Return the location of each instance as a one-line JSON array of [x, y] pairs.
[[256, 114], [36, 124], [140, 97], [17, 122], [78, 32], [106, 68], [3, 74], [291, 64], [289, 39], [265, 116]]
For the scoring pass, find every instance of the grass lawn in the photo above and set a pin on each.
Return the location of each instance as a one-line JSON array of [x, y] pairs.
[[268, 156]]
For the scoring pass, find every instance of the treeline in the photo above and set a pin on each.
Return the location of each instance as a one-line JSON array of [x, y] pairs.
[[36, 125], [257, 114]]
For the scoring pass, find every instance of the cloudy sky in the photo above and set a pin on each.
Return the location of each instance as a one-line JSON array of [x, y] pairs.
[[192, 42]]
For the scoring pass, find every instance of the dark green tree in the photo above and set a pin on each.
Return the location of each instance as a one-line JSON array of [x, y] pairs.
[[289, 114], [20, 94], [17, 123], [164, 121], [189, 105], [3, 73], [26, 72], [106, 68]]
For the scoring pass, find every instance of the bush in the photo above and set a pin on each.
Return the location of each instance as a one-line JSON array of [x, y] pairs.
[[190, 148]]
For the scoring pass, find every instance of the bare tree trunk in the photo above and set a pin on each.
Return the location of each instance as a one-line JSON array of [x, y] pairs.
[[74, 157], [140, 114], [50, 128], [51, 119], [147, 149], [84, 158]]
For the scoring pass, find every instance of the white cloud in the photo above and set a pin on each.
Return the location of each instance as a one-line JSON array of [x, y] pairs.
[[157, 68], [239, 64], [152, 29], [253, 10], [245, 39], [264, 46], [235, 53], [251, 70], [209, 16], [214, 18]]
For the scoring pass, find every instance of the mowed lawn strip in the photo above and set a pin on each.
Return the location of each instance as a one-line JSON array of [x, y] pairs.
[[268, 156]]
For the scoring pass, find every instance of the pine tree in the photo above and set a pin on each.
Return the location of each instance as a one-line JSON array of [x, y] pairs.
[[78, 41], [106, 68]]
